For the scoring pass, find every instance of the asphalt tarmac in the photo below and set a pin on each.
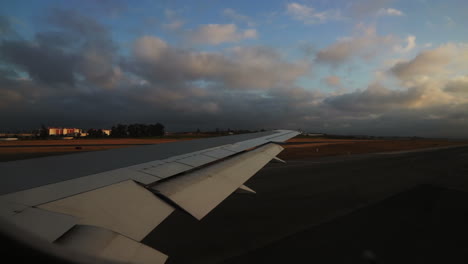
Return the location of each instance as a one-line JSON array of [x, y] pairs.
[[376, 208]]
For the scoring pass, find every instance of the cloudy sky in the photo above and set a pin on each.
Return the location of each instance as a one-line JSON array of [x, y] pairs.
[[376, 67]]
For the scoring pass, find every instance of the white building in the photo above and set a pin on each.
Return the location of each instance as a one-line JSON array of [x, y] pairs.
[[56, 131]]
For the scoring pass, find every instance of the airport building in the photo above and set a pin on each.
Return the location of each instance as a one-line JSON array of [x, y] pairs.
[[106, 131], [55, 131]]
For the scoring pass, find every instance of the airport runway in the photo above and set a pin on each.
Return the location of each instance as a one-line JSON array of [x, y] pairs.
[[402, 208]]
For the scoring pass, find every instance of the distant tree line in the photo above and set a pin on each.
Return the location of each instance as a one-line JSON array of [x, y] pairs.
[[137, 130], [97, 133]]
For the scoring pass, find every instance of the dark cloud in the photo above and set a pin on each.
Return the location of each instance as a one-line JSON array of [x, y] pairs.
[[308, 49], [427, 62], [109, 8], [458, 86], [43, 63], [332, 81], [6, 28], [57, 39], [74, 22], [376, 99], [98, 61], [79, 48]]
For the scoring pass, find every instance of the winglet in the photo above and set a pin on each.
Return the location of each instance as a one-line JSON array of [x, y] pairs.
[[245, 189], [278, 160]]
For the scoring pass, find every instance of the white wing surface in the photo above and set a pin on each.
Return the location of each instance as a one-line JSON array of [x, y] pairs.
[[102, 204]]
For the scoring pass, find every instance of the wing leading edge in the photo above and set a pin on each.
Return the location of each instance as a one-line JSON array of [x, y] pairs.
[[118, 207]]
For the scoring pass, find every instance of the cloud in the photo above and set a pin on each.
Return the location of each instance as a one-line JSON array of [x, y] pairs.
[[364, 44], [332, 80], [377, 99], [432, 101], [449, 22], [237, 17], [308, 15], [410, 45], [441, 62], [390, 12], [43, 63], [75, 22], [174, 21], [458, 86], [10, 94], [216, 34], [148, 48], [99, 68], [174, 25], [97, 61], [78, 48], [6, 28], [109, 8], [239, 68], [373, 100], [425, 110], [363, 8]]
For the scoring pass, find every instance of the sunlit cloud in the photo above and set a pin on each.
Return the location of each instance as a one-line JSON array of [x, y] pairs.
[[410, 45], [237, 17], [390, 12], [333, 80], [366, 43], [216, 34], [308, 15]]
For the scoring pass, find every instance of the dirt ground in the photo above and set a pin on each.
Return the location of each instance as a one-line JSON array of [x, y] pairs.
[[26, 149], [105, 141], [295, 149], [309, 148]]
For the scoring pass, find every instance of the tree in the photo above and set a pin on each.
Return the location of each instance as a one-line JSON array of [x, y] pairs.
[[119, 131], [44, 132], [138, 130], [159, 129], [96, 133]]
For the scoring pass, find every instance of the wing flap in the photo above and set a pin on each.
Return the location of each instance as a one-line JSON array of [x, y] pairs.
[[126, 208], [102, 243], [46, 225], [201, 191]]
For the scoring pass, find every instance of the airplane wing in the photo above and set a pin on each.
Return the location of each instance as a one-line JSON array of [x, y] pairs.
[[103, 203]]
